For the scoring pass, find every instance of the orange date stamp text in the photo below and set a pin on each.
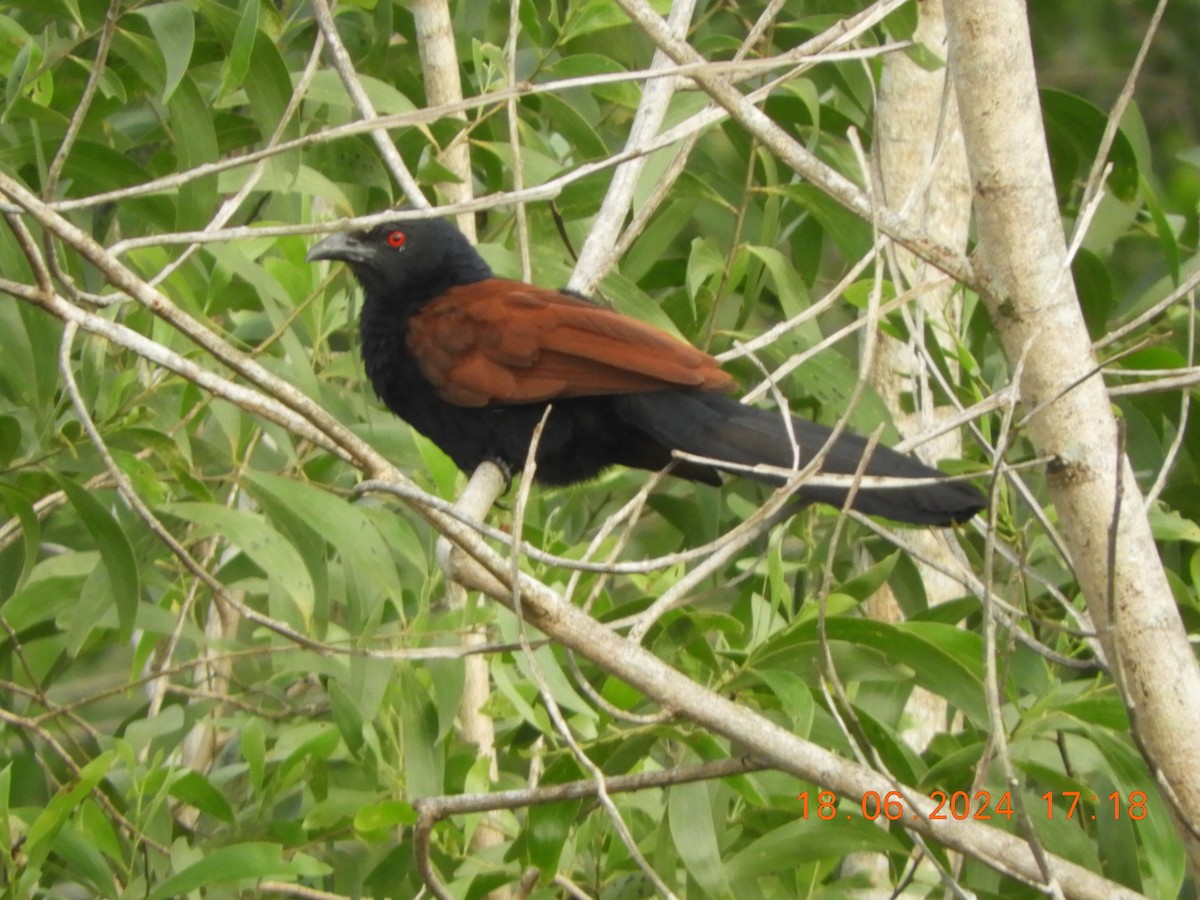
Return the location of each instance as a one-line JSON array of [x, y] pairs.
[[979, 806]]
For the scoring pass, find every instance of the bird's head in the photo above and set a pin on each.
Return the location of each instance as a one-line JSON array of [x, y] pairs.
[[411, 260]]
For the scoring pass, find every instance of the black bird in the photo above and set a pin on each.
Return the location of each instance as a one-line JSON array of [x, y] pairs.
[[472, 361]]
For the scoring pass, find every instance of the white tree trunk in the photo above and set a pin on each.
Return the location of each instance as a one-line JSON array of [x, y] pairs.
[[443, 85], [1032, 301], [922, 165]]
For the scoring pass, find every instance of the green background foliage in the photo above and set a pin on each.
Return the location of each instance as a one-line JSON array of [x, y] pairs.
[[114, 653]]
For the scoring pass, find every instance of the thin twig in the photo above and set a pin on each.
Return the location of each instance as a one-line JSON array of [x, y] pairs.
[[358, 95], [84, 106], [798, 157], [656, 95]]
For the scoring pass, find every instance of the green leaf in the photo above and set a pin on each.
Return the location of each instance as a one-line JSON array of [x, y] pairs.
[[694, 832], [583, 65], [196, 790], [1164, 852], [43, 599], [327, 87], [592, 16], [12, 38], [1168, 525], [548, 828], [5, 810], [115, 552], [926, 57], [941, 658], [195, 143], [1167, 239], [324, 740], [850, 233], [423, 758], [901, 24], [449, 680], [577, 127], [789, 286], [1074, 128], [864, 584], [346, 716], [1094, 287], [174, 32], [84, 860], [384, 815], [27, 60], [237, 63], [96, 828], [58, 811], [704, 262], [794, 696], [241, 862], [254, 752], [254, 536], [167, 727], [31, 529], [366, 558], [268, 87], [793, 843]]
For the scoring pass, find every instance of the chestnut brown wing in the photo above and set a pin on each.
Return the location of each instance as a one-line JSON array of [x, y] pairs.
[[500, 342]]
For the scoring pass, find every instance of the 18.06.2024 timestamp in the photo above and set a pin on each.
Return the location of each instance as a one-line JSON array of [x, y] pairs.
[[963, 805]]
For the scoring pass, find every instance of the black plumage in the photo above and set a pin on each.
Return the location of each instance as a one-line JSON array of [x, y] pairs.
[[472, 361]]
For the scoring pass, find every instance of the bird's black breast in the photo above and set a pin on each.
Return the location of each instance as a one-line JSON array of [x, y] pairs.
[[582, 435]]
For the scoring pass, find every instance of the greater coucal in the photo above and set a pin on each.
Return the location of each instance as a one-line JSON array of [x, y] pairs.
[[472, 361]]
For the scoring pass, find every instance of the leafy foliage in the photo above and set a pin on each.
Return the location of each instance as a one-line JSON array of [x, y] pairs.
[[157, 741]]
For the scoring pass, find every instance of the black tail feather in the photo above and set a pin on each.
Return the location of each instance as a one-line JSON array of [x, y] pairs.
[[717, 426]]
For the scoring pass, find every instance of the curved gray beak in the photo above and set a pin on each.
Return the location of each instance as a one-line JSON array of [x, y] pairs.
[[343, 246]]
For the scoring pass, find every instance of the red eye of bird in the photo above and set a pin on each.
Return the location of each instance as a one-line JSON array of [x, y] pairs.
[[396, 239]]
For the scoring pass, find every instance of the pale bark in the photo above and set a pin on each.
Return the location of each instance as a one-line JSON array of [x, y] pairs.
[[443, 86], [923, 168], [1031, 297]]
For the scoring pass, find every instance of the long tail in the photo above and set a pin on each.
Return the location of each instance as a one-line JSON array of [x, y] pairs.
[[718, 426]]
